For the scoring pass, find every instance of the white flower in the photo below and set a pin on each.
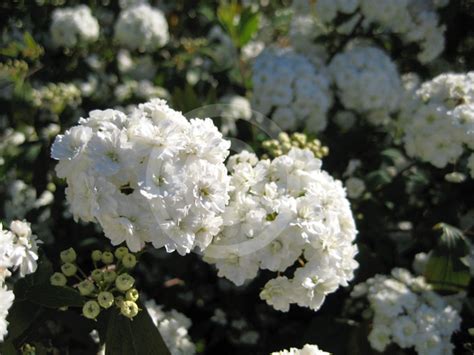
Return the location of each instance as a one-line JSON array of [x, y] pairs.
[[409, 314], [234, 108], [24, 255], [292, 87], [279, 211], [412, 21], [6, 301], [367, 81], [438, 123], [173, 327], [149, 176], [73, 25], [308, 349], [142, 27], [355, 187]]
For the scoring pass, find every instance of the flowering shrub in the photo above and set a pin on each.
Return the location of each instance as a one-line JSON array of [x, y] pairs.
[[236, 177]]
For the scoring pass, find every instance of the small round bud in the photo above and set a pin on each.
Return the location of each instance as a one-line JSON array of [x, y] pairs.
[[121, 252], [129, 309], [118, 301], [105, 299], [86, 287], [124, 282], [68, 255], [96, 255], [109, 276], [58, 279], [132, 295], [69, 269], [97, 275], [129, 261], [91, 309], [107, 257]]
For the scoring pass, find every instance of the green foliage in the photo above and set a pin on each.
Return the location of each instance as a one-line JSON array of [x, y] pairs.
[[133, 337], [239, 23], [446, 268]]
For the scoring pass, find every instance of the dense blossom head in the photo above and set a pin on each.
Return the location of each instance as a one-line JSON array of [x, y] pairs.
[[308, 349], [73, 25], [439, 122], [282, 211], [413, 21], [367, 82], [294, 91], [18, 251], [408, 313], [141, 27], [150, 176], [173, 327]]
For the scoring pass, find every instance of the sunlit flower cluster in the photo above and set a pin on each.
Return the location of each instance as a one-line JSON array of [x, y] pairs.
[[308, 349], [367, 82], [413, 21], [141, 27], [292, 90], [281, 212], [173, 327], [73, 25], [18, 251], [439, 124], [150, 176], [408, 313]]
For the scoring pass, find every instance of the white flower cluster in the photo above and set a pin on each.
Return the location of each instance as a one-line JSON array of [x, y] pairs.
[[291, 89], [408, 313], [281, 212], [439, 125], [413, 21], [367, 82], [142, 27], [173, 327], [73, 25], [150, 176], [308, 349], [18, 251]]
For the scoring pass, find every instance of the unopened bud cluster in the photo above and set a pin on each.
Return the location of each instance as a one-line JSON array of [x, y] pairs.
[[108, 285], [284, 143]]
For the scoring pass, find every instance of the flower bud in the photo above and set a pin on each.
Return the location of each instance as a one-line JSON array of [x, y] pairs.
[[68, 255], [86, 287], [107, 257], [69, 269], [58, 279], [109, 276], [118, 301], [124, 282], [96, 255], [132, 295], [105, 299], [97, 275], [129, 261], [91, 309], [129, 309], [121, 252]]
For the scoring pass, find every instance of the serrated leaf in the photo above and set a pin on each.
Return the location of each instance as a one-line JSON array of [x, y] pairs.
[[54, 296]]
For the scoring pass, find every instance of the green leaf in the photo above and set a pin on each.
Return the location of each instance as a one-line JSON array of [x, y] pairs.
[[7, 348], [54, 296], [446, 269], [378, 178], [20, 317], [248, 25], [133, 337]]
